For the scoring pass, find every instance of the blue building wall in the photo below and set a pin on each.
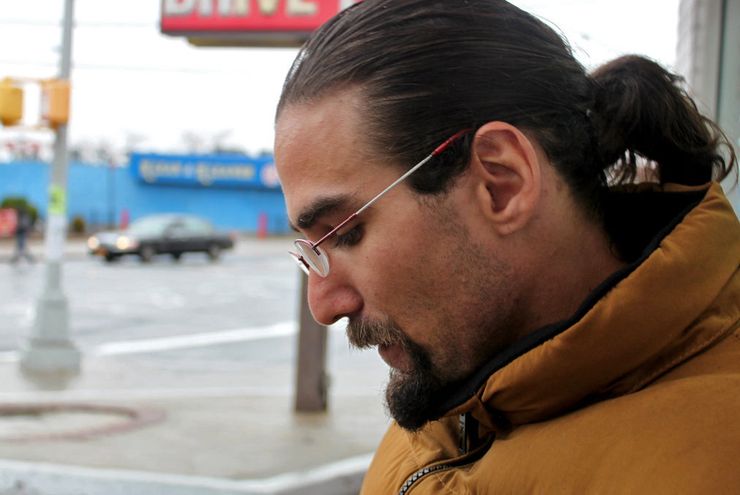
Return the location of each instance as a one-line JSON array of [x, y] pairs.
[[99, 194]]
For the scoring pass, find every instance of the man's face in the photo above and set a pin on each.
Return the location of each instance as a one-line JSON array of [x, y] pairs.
[[411, 274]]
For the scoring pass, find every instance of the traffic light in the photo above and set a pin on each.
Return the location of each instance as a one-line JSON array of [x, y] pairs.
[[11, 102], [55, 102]]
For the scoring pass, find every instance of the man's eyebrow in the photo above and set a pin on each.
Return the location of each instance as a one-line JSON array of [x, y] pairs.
[[319, 208]]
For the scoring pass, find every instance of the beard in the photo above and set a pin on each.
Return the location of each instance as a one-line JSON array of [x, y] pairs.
[[485, 319], [413, 397]]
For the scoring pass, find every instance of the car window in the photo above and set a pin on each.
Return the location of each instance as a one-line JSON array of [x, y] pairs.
[[149, 226], [196, 226]]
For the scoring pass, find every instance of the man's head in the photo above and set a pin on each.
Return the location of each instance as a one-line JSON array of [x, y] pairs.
[[497, 236], [438, 273], [408, 272]]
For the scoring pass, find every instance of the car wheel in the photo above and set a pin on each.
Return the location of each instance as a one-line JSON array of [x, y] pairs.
[[146, 254], [176, 256], [110, 258], [214, 252]]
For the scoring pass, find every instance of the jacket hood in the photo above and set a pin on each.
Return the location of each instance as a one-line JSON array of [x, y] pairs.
[[680, 297]]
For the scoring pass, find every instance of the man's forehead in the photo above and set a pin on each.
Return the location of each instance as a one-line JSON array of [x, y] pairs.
[[319, 157], [319, 136], [337, 116]]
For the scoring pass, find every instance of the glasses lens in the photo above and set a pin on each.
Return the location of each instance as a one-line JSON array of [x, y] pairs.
[[315, 257]]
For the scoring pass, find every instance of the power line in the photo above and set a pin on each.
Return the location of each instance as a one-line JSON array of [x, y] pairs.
[[83, 24], [127, 68]]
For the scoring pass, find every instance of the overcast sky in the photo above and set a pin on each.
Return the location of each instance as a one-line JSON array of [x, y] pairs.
[[131, 82]]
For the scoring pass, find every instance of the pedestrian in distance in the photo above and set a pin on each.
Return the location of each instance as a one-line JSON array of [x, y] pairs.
[[544, 257], [24, 226]]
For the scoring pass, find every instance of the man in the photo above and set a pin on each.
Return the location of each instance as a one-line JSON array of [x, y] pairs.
[[24, 224], [469, 199]]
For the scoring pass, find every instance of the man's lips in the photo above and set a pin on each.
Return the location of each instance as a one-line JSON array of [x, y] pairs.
[[394, 356]]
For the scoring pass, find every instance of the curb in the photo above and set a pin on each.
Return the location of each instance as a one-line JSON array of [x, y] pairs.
[[24, 478]]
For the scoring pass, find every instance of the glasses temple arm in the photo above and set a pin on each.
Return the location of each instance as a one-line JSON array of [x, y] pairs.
[[332, 231], [436, 152], [377, 197], [410, 171]]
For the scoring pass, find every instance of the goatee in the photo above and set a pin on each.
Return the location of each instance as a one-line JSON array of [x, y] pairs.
[[413, 397]]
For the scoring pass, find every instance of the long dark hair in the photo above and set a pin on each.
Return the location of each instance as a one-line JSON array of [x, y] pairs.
[[428, 68]]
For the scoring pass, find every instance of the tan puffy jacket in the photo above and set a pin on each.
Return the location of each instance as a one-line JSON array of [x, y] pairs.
[[638, 393]]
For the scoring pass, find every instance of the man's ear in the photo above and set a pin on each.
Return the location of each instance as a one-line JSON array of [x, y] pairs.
[[507, 175]]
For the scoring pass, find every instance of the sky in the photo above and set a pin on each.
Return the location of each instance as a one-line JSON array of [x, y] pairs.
[[135, 87]]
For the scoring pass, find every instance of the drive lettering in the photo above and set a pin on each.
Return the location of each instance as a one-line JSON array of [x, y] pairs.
[[242, 8]]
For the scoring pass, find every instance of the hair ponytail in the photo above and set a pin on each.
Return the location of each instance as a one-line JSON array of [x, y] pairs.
[[639, 110]]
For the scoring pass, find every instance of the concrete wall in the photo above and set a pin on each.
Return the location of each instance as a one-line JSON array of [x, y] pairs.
[[728, 112], [698, 50], [707, 56]]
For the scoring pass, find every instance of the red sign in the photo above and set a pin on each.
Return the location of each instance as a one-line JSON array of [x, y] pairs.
[[198, 17], [8, 222]]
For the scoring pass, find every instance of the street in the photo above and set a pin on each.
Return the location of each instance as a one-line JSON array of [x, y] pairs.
[[238, 313], [252, 286]]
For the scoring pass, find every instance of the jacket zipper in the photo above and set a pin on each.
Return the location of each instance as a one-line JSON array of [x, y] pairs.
[[421, 473], [469, 458]]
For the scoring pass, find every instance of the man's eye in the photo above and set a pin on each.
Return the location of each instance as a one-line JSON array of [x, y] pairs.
[[349, 238]]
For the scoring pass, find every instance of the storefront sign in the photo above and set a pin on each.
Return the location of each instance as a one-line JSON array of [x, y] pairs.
[[205, 170], [263, 22]]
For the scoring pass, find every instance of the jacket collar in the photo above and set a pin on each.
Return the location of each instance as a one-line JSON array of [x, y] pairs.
[[638, 324]]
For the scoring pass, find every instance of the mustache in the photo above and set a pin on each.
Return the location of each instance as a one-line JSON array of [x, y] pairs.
[[364, 333]]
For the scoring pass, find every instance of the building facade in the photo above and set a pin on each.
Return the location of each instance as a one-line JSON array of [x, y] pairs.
[[232, 191]]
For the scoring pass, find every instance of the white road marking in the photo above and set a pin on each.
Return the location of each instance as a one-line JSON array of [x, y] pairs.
[[204, 339]]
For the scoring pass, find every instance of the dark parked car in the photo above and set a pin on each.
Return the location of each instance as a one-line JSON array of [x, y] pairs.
[[168, 233]]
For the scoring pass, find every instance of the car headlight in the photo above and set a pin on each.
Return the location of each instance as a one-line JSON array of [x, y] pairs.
[[93, 243], [124, 243]]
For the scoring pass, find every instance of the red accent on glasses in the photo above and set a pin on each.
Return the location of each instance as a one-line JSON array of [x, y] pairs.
[[449, 141]]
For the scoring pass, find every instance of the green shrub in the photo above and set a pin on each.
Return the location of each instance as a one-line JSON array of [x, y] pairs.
[[20, 203], [78, 225]]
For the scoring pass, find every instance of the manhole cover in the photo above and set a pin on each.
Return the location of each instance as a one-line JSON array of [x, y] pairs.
[[30, 422]]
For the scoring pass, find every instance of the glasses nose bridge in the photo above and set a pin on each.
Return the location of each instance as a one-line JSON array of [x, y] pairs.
[[300, 261]]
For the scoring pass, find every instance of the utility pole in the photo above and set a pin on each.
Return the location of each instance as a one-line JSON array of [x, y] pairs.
[[311, 378], [49, 350]]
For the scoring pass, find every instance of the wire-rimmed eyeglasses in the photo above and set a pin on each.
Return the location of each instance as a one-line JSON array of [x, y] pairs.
[[311, 257]]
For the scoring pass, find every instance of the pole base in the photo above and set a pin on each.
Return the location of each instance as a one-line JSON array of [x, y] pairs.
[[50, 358]]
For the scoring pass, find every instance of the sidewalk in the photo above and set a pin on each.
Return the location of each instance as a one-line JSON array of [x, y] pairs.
[[75, 248], [129, 424], [109, 434]]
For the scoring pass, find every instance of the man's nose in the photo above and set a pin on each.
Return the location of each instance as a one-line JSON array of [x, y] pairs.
[[331, 298]]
